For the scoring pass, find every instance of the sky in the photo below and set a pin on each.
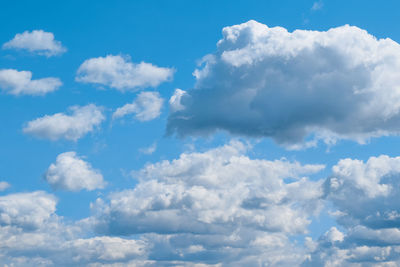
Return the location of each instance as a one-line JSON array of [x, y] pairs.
[[199, 133]]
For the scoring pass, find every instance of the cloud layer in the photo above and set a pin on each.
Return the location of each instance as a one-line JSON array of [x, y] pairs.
[[37, 41], [147, 106], [81, 121], [20, 83], [120, 73], [261, 81], [71, 173], [215, 207]]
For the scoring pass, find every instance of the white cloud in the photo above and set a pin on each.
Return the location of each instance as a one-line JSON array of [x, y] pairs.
[[37, 41], [149, 150], [120, 73], [20, 83], [291, 86], [216, 203], [365, 195], [81, 121], [147, 106], [26, 210], [4, 185], [71, 173], [175, 100], [32, 234]]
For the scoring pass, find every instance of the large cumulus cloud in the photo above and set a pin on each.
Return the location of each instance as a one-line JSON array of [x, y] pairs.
[[217, 206], [261, 81]]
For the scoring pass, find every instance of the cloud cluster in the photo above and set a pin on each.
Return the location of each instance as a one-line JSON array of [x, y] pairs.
[[216, 206], [37, 41], [26, 210], [365, 195], [71, 173], [20, 83], [290, 86], [81, 121], [120, 73], [33, 235], [147, 106]]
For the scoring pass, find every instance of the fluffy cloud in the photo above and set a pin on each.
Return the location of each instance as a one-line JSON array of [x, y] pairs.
[[216, 206], [366, 197], [26, 210], [147, 106], [32, 234], [261, 81], [120, 73], [71, 173], [37, 41], [20, 83], [81, 121]]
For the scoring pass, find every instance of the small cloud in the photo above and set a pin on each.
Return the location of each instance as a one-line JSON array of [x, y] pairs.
[[4, 185], [120, 73], [16, 82], [149, 150], [67, 126], [71, 173], [38, 42], [147, 106], [317, 6]]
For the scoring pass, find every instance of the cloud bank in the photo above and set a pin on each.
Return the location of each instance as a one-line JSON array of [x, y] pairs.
[[120, 73], [16, 82], [216, 208], [291, 86], [37, 41]]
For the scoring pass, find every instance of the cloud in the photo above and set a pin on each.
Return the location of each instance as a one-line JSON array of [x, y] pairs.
[[4, 185], [82, 120], [365, 195], [317, 5], [149, 150], [20, 83], [37, 41], [26, 210], [216, 206], [120, 73], [71, 173], [147, 106], [32, 234], [175, 100], [292, 86]]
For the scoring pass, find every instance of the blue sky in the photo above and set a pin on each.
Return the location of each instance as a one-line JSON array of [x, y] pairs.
[[176, 133]]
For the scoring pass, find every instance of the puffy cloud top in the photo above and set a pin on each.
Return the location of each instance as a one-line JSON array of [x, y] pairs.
[[340, 83], [37, 41], [120, 73], [71, 127], [71, 173], [20, 83]]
